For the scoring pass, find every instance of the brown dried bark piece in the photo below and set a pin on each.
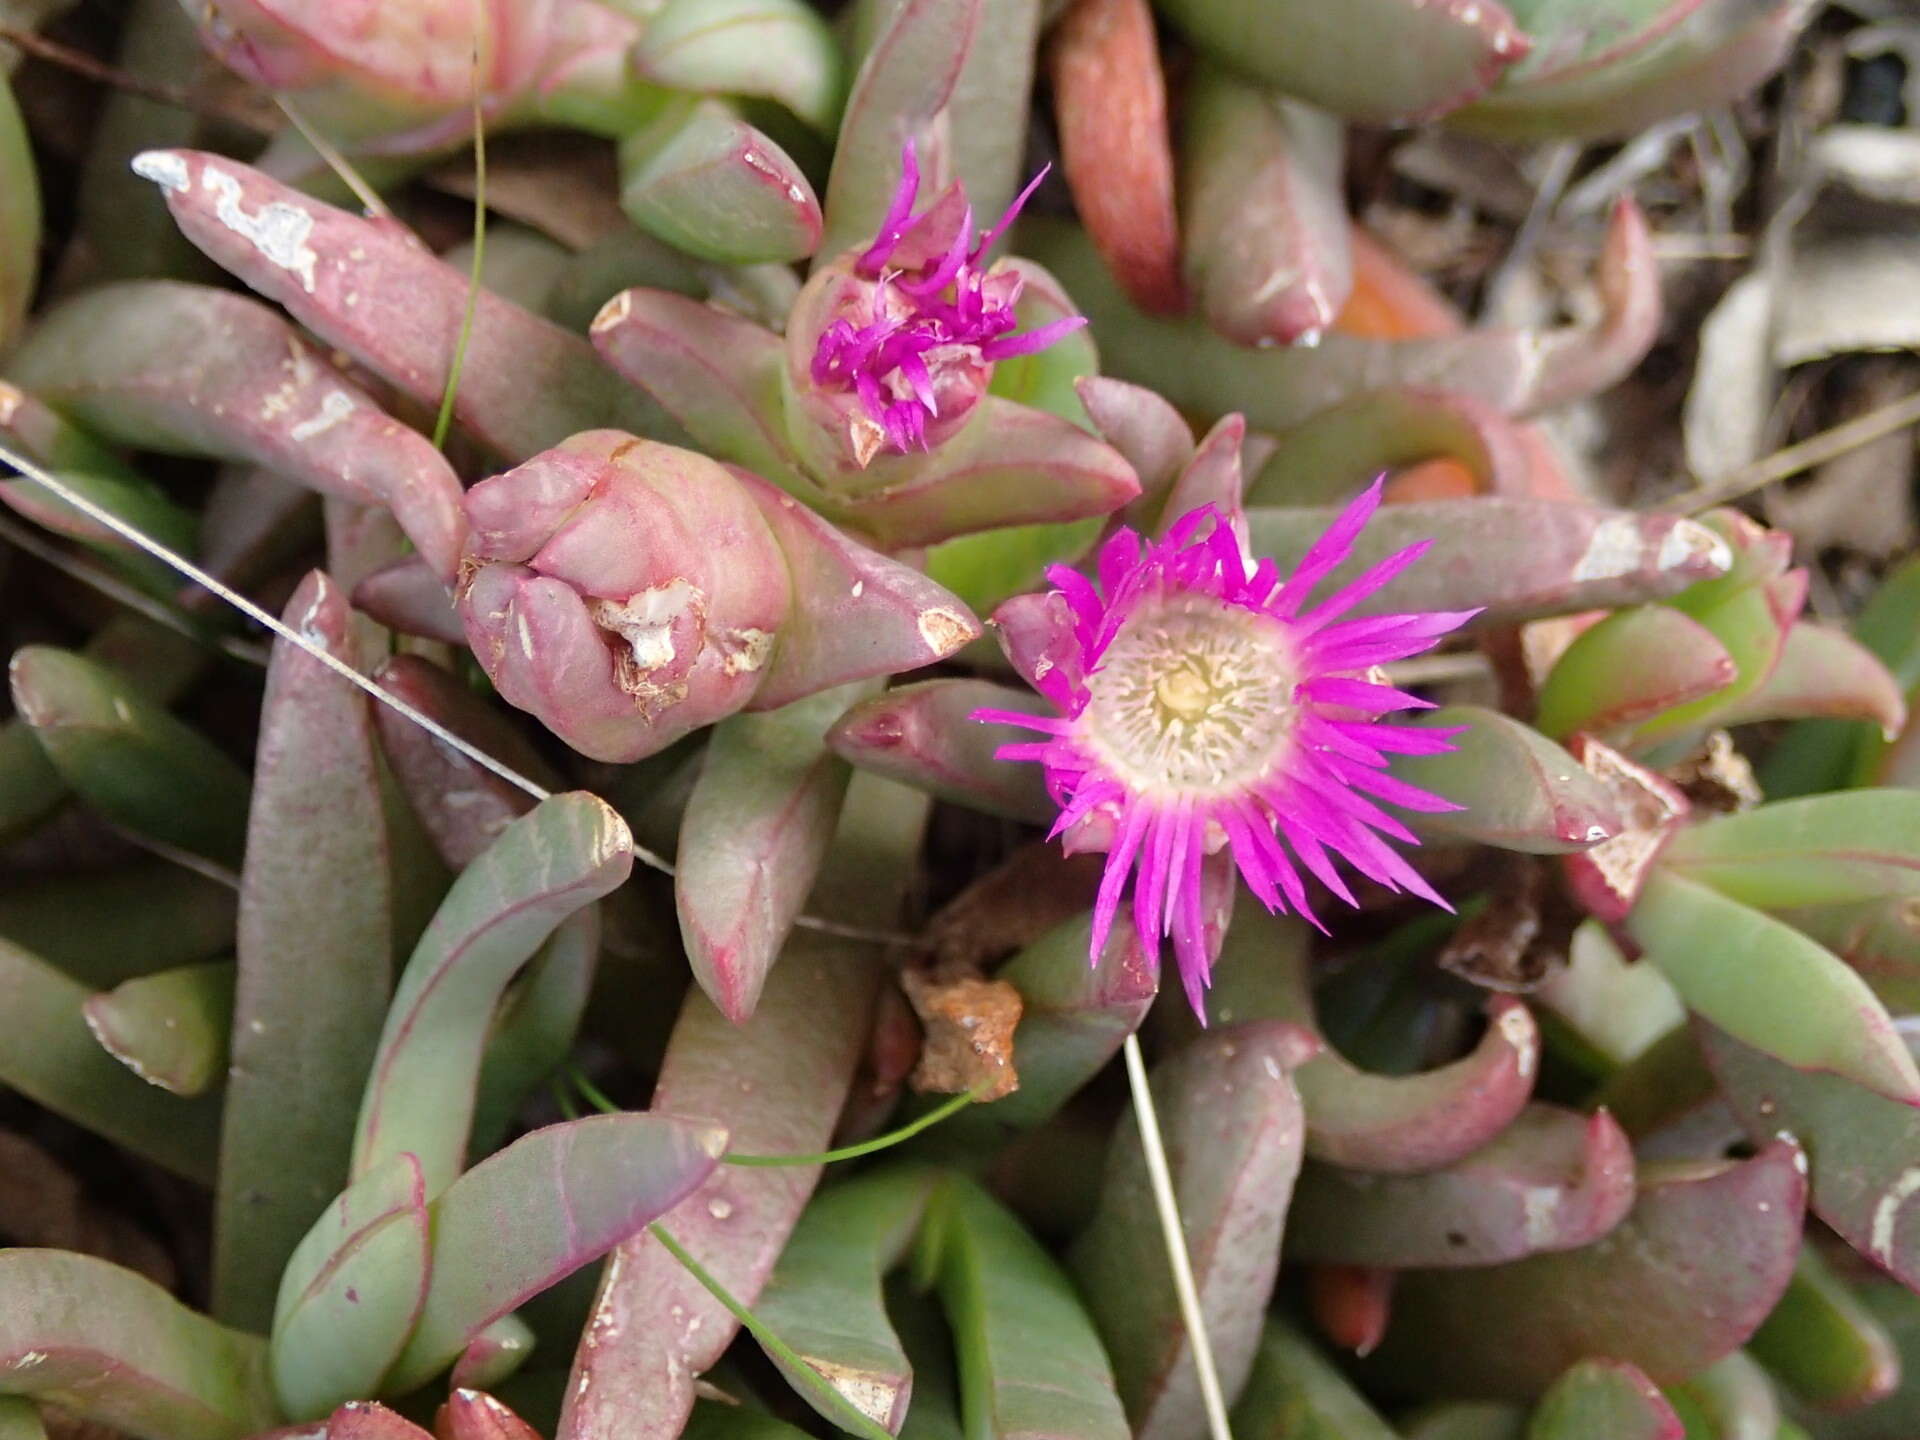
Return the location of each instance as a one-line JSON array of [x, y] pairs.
[[1110, 104], [969, 1024]]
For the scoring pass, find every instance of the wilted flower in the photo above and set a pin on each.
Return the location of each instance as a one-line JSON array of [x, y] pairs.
[[629, 592], [893, 347], [1203, 708]]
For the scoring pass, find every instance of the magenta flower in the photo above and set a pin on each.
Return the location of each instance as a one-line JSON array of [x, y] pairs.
[[1202, 708], [916, 329]]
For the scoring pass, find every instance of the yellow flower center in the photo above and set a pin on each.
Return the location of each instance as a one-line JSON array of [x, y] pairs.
[[1192, 696]]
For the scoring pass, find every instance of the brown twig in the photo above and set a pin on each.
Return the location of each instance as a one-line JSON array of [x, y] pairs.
[[95, 69], [1805, 455]]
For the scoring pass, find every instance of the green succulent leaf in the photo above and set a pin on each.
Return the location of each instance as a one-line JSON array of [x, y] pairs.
[[1604, 1400], [533, 1213], [1771, 986], [352, 1292], [566, 853], [1030, 1360], [112, 1347], [130, 759]]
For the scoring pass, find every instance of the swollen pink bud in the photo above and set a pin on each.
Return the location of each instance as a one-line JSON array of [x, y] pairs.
[[399, 75], [628, 592]]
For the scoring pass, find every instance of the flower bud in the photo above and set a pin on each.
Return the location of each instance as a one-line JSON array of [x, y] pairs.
[[628, 592], [398, 76], [890, 349]]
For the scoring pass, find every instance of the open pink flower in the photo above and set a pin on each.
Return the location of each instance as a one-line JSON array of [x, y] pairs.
[[1203, 708], [919, 322]]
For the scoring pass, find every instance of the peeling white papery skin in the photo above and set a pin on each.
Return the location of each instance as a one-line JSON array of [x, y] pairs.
[[279, 231], [1619, 547], [645, 620]]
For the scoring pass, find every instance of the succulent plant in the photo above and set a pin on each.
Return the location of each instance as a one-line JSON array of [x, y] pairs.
[[630, 741]]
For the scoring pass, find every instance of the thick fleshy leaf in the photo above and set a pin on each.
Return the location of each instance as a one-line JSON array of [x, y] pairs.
[[925, 735], [1264, 208], [1862, 1146], [154, 659], [991, 99], [1294, 1392], [137, 501], [1234, 1131], [1048, 379], [1011, 465], [1030, 1361], [566, 853], [824, 1298], [352, 1291], [128, 758], [1632, 666], [315, 943], [20, 222], [104, 927], [904, 81], [1823, 672], [1879, 938], [1732, 1397], [1552, 1180], [1848, 847], [1604, 1400], [1823, 1344], [53, 1059], [987, 568], [1749, 610], [1563, 557], [1333, 456], [715, 373], [533, 1213], [1770, 986], [169, 1028], [463, 806], [1116, 152], [1148, 432], [1517, 372], [777, 1083], [1519, 790], [705, 181], [1687, 55], [1684, 1280], [755, 833], [408, 598], [111, 1347], [536, 1024], [778, 49], [856, 613], [367, 1420], [34, 427], [1398, 1124], [473, 1414], [1383, 60], [1666, 1100], [197, 371], [379, 295]]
